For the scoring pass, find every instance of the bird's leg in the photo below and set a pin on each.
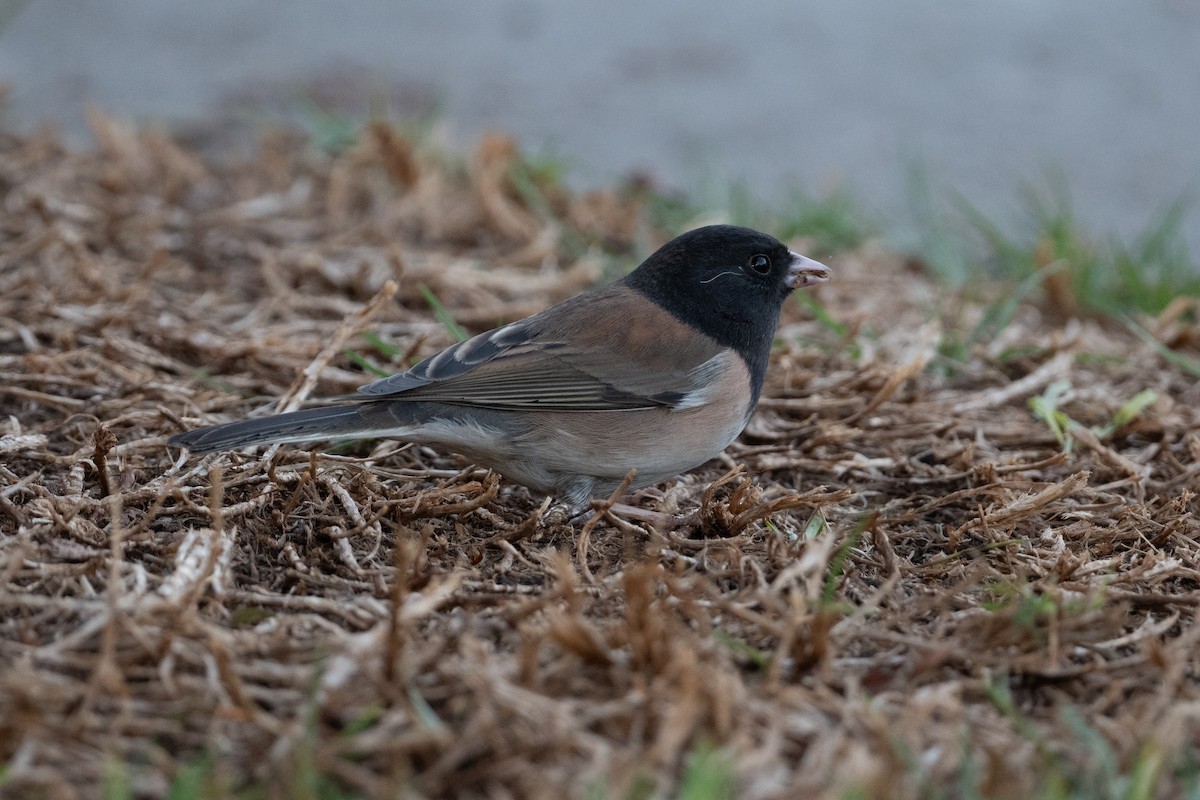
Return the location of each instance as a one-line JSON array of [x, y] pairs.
[[560, 513], [659, 520], [581, 508]]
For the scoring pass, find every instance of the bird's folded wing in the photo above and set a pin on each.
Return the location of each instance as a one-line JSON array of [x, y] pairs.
[[521, 368]]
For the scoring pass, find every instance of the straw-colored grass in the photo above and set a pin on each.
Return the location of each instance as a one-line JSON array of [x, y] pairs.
[[901, 585]]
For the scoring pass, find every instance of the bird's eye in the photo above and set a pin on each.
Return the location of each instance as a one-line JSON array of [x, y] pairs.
[[759, 264]]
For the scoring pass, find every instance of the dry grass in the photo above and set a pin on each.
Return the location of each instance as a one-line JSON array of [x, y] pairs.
[[910, 591]]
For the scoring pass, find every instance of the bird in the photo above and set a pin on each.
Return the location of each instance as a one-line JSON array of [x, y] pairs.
[[656, 373]]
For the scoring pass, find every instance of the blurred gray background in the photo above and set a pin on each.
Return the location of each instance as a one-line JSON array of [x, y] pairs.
[[980, 98]]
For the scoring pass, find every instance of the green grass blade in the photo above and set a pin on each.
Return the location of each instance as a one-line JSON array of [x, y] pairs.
[[443, 315], [1189, 365]]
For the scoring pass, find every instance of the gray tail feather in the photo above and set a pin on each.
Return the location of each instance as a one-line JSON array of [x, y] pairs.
[[330, 422]]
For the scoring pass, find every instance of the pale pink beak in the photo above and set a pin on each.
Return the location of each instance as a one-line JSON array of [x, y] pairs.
[[804, 271]]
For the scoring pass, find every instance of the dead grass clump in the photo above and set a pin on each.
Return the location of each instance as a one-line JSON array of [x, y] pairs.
[[902, 582]]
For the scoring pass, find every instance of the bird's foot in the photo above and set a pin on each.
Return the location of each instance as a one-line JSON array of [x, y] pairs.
[[658, 520]]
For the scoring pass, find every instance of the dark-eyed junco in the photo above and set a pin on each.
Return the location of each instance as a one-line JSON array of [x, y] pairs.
[[658, 371]]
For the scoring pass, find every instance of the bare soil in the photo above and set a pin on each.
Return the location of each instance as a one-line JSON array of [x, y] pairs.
[[900, 583]]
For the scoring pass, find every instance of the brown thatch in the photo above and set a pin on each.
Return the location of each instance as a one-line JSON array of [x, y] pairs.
[[900, 584]]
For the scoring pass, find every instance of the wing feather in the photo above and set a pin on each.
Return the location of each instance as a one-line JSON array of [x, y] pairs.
[[530, 364]]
